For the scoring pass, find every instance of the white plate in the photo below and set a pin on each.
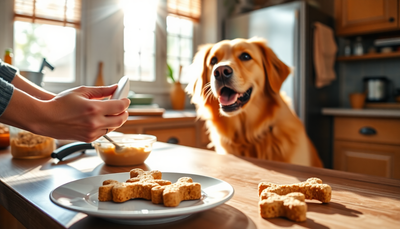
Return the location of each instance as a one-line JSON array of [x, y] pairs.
[[82, 195]]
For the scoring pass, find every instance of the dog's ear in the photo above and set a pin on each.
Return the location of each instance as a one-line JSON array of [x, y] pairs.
[[196, 86], [275, 70]]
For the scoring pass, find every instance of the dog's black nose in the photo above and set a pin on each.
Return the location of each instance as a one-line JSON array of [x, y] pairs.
[[223, 72]]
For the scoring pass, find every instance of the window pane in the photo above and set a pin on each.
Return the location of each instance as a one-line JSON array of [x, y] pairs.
[[173, 25], [57, 44], [147, 68], [180, 45], [173, 46], [132, 64], [186, 28], [186, 48]]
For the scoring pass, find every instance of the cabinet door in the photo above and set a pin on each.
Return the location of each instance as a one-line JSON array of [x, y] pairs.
[[370, 159], [354, 17], [183, 136]]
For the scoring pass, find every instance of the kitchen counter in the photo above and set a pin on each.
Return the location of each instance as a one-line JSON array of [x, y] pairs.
[[358, 201], [383, 113]]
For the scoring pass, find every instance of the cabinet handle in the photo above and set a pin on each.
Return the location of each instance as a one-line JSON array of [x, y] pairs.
[[367, 131], [173, 140], [391, 19]]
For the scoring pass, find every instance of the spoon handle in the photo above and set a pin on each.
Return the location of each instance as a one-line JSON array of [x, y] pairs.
[[110, 140]]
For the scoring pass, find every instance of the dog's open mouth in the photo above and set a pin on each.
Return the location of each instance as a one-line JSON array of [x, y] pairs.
[[231, 100]]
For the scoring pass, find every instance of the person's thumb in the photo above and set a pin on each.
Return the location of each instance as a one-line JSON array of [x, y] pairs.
[[99, 92]]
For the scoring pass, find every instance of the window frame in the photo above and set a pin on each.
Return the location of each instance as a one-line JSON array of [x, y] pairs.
[[57, 87]]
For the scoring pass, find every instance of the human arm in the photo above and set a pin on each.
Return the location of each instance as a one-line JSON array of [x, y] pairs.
[[11, 75], [27, 86], [75, 114]]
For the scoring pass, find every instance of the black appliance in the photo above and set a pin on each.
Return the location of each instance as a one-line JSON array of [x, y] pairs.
[[376, 89]]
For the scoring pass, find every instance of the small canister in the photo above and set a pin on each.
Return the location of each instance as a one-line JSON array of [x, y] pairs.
[[26, 145]]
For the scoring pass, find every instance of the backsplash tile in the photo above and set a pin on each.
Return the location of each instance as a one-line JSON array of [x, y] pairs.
[[351, 75]]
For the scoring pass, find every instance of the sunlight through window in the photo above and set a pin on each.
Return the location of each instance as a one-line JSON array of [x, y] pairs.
[[57, 44], [139, 39]]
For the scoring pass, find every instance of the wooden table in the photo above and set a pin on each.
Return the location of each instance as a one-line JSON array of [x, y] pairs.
[[358, 201]]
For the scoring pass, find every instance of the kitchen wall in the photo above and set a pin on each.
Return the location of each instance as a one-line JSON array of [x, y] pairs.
[[6, 25]]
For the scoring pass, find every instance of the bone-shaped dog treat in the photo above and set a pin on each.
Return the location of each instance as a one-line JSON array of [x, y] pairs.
[[138, 186], [312, 188], [172, 195], [291, 206], [139, 174], [105, 191]]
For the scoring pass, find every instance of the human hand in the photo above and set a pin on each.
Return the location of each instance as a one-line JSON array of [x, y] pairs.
[[80, 114]]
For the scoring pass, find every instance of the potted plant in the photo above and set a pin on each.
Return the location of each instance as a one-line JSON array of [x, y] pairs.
[[177, 93]]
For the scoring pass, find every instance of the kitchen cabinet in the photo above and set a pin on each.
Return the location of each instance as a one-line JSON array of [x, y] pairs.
[[367, 145], [176, 127], [358, 17]]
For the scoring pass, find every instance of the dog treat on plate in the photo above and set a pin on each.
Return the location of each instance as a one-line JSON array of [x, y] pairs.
[[138, 186], [105, 191], [150, 186], [139, 175], [312, 188], [291, 206], [172, 195]]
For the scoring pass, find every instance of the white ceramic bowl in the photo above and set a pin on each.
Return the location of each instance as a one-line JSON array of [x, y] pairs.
[[135, 149]]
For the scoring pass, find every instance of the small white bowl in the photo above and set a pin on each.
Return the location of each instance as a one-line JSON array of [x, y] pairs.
[[136, 149]]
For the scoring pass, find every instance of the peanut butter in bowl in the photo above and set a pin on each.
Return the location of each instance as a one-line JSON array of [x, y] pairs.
[[135, 149]]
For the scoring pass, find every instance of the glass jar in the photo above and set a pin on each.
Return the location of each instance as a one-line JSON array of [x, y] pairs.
[[4, 136], [358, 47], [26, 145]]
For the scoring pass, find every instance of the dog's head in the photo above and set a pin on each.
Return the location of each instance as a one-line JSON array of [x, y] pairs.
[[235, 72]]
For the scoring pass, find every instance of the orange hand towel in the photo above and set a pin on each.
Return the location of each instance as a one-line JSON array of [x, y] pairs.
[[325, 50]]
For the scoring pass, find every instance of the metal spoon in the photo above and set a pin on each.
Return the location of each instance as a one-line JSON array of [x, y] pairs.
[[122, 91], [117, 147]]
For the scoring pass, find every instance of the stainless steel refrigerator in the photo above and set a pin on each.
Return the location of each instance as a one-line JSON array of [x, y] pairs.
[[288, 29]]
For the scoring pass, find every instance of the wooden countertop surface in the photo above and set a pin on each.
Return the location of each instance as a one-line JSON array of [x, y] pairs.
[[373, 113], [168, 116], [358, 201]]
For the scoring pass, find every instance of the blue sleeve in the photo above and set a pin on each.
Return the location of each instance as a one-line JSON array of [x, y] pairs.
[[6, 91], [7, 74]]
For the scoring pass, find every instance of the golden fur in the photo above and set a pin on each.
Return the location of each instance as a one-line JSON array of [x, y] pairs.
[[259, 124]]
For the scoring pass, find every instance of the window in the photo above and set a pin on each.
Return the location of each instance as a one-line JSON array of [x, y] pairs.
[[139, 39], [144, 21], [182, 14], [47, 29], [179, 45]]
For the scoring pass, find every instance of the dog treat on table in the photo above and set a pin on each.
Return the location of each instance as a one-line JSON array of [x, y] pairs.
[[291, 206], [312, 188], [172, 195], [149, 185]]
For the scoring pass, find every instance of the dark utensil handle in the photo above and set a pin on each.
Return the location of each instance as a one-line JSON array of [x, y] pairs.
[[70, 148], [367, 131], [173, 140]]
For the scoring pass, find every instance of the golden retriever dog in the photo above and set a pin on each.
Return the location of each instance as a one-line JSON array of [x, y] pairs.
[[237, 93]]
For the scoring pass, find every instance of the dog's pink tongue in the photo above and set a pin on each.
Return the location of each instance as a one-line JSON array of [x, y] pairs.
[[226, 99]]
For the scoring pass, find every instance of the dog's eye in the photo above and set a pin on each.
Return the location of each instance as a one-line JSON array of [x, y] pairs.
[[214, 60], [245, 56]]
